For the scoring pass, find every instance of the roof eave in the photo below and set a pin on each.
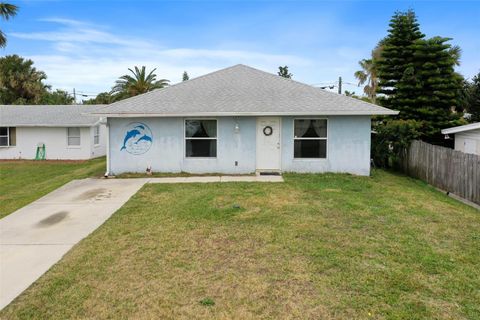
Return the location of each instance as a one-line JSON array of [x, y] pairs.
[[63, 125], [246, 114], [468, 127]]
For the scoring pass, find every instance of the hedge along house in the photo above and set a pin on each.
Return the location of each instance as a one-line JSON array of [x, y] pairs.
[[65, 131], [239, 120]]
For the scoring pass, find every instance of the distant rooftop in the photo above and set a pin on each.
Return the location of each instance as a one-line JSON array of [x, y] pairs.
[[48, 115], [467, 127]]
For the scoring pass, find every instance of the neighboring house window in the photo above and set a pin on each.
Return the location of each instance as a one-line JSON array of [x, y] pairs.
[[73, 136], [96, 135], [310, 138], [201, 138], [8, 136]]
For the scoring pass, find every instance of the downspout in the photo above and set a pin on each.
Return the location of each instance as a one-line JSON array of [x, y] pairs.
[[107, 173]]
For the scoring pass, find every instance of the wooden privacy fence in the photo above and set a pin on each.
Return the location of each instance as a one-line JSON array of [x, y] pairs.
[[444, 168]]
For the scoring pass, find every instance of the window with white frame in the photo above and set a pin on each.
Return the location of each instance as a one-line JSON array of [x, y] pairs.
[[73, 136], [310, 138], [96, 135], [7, 136], [200, 138]]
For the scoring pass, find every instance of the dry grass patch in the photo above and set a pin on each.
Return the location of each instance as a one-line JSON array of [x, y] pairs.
[[24, 181], [318, 246]]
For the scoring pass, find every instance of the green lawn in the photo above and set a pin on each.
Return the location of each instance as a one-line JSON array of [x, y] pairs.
[[24, 181], [316, 247]]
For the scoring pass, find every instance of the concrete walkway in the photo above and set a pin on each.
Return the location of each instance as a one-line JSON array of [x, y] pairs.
[[205, 179], [35, 237]]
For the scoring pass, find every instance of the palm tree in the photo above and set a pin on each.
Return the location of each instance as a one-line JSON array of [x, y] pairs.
[[20, 82], [456, 53], [368, 74], [139, 83], [6, 12]]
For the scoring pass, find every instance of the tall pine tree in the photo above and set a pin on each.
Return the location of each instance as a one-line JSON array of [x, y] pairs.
[[397, 56], [435, 87], [417, 76]]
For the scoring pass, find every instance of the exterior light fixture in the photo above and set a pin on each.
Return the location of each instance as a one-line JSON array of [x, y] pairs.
[[236, 128]]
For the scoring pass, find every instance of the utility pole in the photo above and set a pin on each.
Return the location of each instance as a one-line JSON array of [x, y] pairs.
[[74, 97], [339, 85]]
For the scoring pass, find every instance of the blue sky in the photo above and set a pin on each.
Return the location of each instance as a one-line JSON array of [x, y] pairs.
[[88, 44]]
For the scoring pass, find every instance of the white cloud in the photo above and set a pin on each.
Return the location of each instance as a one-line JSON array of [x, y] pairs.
[[90, 58], [78, 32]]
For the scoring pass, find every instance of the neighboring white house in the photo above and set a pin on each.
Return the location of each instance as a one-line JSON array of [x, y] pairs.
[[240, 120], [467, 137], [67, 132]]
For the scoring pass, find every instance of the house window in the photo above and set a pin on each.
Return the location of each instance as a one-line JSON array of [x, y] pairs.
[[201, 138], [96, 135], [310, 138], [8, 136], [73, 136]]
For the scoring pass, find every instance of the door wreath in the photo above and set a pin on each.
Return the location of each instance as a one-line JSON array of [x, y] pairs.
[[267, 131]]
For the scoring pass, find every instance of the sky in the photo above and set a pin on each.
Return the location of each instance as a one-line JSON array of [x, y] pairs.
[[87, 45]]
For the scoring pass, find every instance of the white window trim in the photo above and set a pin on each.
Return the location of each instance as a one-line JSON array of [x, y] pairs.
[[326, 139], [95, 135], [8, 138], [198, 138], [76, 146]]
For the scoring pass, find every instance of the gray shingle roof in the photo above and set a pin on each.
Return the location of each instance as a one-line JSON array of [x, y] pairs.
[[48, 115], [240, 90], [467, 127]]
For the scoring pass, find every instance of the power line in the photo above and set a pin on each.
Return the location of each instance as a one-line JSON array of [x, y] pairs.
[[88, 93], [333, 83], [323, 83], [352, 84]]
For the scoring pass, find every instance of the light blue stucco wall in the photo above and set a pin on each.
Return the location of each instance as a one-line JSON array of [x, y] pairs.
[[166, 153], [348, 147]]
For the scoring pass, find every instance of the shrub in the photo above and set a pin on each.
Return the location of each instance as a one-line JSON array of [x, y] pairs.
[[392, 138]]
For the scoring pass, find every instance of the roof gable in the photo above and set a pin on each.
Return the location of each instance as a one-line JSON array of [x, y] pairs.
[[240, 90]]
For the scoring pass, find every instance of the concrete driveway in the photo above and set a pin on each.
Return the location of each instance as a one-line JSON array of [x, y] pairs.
[[35, 237]]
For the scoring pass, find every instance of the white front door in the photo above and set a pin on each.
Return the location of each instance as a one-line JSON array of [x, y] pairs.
[[268, 143]]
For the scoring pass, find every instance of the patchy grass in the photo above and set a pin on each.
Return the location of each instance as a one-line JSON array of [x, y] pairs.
[[23, 181], [315, 247]]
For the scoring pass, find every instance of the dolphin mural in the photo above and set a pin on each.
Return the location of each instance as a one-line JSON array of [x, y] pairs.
[[130, 134], [145, 138]]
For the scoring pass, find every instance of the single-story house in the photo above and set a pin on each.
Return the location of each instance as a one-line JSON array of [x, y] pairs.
[[64, 132], [239, 120], [467, 137]]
